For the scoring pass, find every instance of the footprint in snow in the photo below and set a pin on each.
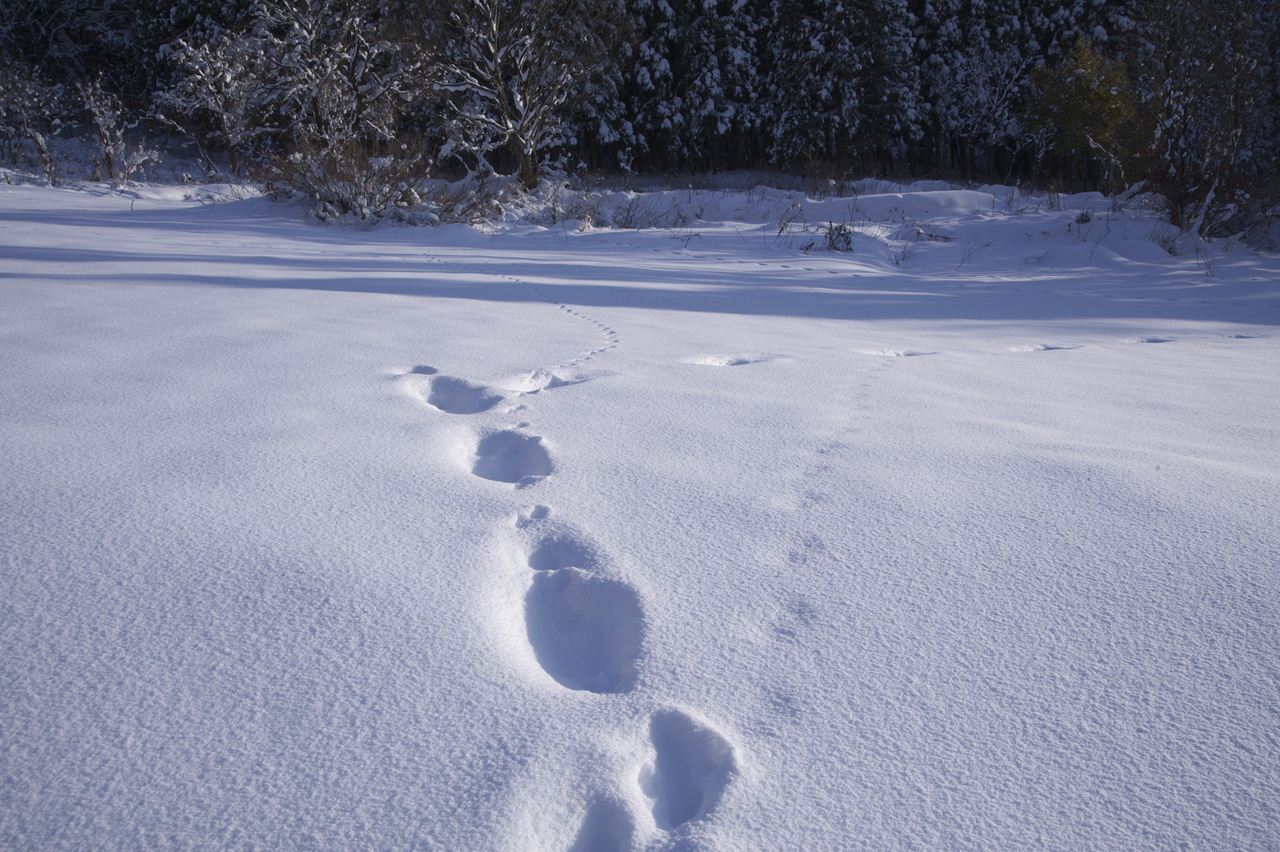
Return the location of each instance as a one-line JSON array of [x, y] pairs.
[[796, 618], [448, 393], [898, 353], [1245, 336], [585, 629], [729, 360], [458, 396], [1042, 347], [1155, 339], [561, 549], [511, 456], [607, 827], [692, 764]]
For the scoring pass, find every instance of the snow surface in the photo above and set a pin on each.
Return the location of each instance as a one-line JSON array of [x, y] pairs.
[[460, 539]]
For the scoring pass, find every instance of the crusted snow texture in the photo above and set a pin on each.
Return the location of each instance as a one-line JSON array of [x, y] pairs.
[[1023, 590]]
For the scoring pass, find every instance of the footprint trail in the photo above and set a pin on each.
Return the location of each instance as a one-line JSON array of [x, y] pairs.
[[584, 625]]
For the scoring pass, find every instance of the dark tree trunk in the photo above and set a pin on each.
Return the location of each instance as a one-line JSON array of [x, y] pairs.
[[526, 164]]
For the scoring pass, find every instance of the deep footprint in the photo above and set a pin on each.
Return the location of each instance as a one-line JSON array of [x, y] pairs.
[[561, 549], [510, 456], [607, 828], [458, 396], [585, 631], [691, 767]]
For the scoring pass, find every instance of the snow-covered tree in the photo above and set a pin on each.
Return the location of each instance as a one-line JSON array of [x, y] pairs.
[[842, 81], [890, 83], [312, 96], [31, 111], [818, 58], [1202, 82], [695, 87], [1085, 105], [512, 68], [321, 94]]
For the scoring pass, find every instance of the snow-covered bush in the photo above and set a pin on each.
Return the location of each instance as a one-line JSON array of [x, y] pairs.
[[839, 236], [1207, 77], [353, 103], [312, 99], [106, 114], [31, 113]]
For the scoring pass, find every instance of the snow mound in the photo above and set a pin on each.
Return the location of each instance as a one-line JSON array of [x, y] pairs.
[[541, 379]]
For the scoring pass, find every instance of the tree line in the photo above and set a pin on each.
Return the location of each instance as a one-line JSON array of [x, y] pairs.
[[353, 102]]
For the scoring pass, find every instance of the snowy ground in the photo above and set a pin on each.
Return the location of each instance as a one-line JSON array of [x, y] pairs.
[[679, 538]]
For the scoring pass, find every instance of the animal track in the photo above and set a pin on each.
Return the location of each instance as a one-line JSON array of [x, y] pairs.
[[1155, 339], [799, 615], [511, 456], [692, 764], [458, 396], [584, 630], [611, 335]]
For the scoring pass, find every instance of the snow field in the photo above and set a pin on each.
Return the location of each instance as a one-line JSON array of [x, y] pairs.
[[445, 539]]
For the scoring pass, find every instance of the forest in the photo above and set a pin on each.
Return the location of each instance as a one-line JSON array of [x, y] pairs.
[[353, 103]]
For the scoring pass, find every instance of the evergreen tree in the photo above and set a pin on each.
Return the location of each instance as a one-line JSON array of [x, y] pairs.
[[819, 53], [695, 81]]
